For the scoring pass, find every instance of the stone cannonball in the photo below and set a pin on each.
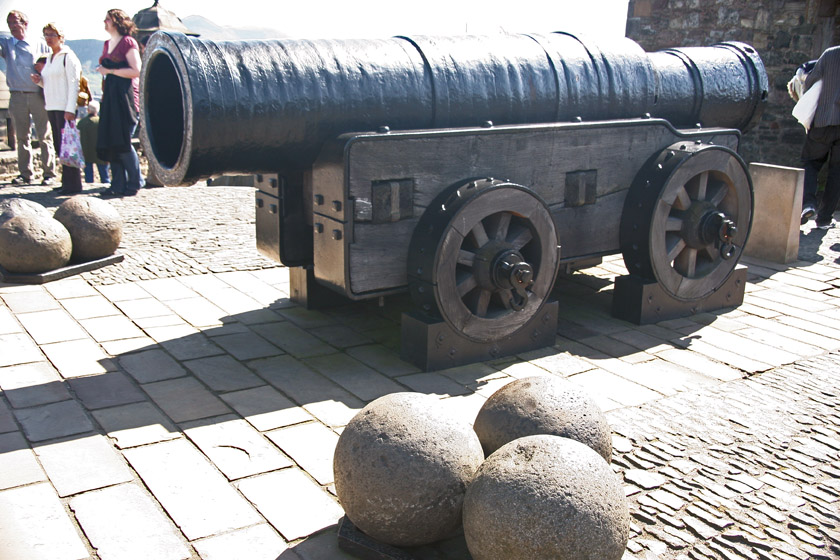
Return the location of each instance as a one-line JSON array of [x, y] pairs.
[[31, 245], [94, 225], [402, 466], [542, 405], [546, 497], [12, 207]]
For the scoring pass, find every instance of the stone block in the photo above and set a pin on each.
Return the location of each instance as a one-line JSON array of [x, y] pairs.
[[191, 490], [294, 504], [35, 524], [310, 445], [237, 449], [80, 464], [776, 210], [18, 465], [123, 522]]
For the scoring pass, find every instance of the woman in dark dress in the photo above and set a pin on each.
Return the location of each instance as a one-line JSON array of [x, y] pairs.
[[119, 111]]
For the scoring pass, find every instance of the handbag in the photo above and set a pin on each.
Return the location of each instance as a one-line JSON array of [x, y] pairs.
[[84, 92], [807, 105], [71, 146], [84, 96]]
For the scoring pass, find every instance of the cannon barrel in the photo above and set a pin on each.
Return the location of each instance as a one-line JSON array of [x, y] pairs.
[[211, 107]]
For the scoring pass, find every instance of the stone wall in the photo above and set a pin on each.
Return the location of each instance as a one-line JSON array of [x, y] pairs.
[[785, 33]]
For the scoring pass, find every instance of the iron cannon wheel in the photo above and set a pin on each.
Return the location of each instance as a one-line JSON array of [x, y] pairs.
[[484, 258], [686, 219]]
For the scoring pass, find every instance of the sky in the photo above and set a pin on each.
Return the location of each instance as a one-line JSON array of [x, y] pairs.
[[346, 18]]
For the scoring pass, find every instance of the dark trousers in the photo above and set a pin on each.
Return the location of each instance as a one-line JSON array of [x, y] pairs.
[[125, 172], [822, 145], [103, 172], [71, 177]]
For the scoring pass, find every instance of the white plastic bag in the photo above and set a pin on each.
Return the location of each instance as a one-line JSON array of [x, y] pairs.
[[70, 153], [807, 105]]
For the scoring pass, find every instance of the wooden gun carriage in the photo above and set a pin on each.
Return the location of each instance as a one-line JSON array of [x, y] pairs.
[[470, 170]]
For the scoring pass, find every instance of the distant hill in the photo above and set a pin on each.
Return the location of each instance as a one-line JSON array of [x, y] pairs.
[[214, 32], [89, 50]]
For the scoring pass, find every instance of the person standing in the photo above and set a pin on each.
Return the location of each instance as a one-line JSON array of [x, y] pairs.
[[60, 80], [26, 100], [89, 130], [823, 141], [120, 107]]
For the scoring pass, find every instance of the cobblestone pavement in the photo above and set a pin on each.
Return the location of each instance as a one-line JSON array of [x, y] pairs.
[[171, 232], [177, 405], [747, 469]]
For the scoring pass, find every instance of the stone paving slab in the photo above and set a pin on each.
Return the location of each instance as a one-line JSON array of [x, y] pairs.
[[295, 505], [135, 424], [18, 464], [182, 390], [195, 495], [34, 525], [32, 384], [124, 523], [261, 542], [236, 448], [81, 464]]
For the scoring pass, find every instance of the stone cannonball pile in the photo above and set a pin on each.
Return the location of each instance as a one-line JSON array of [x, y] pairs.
[[401, 468], [33, 240], [29, 245], [407, 473], [546, 497], [542, 405], [94, 224], [11, 207]]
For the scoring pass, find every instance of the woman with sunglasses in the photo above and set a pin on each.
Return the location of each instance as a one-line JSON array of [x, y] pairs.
[[60, 80]]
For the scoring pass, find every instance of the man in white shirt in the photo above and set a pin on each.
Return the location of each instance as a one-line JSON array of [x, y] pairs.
[[26, 99], [823, 141]]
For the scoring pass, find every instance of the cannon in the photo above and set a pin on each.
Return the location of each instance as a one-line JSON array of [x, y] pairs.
[[468, 171]]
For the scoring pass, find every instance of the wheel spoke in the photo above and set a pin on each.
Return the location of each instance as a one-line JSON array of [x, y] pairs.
[[673, 224], [682, 200], [502, 227], [483, 303], [479, 234], [522, 238], [719, 195], [710, 252], [466, 258], [676, 249], [702, 184], [505, 296], [467, 285], [686, 262]]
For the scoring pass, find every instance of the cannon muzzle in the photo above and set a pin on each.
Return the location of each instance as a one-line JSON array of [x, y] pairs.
[[260, 106]]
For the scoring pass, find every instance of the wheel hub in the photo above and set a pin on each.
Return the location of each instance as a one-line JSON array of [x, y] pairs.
[[705, 225], [500, 267], [512, 272]]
